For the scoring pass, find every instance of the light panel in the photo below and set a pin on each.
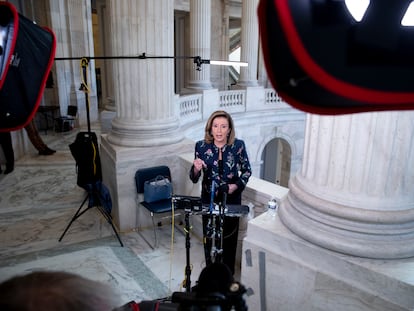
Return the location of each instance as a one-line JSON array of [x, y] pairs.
[[408, 18], [357, 8]]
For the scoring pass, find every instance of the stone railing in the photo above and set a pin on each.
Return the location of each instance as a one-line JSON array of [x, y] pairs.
[[190, 108], [197, 107], [233, 101]]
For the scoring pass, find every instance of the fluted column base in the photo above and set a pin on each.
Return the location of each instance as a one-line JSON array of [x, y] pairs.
[[110, 104], [145, 134], [349, 230], [200, 85], [246, 84]]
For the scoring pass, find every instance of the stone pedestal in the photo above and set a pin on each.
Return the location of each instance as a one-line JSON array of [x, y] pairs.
[[120, 165], [285, 273]]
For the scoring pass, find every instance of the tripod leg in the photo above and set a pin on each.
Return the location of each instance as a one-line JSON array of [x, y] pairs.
[[109, 220], [77, 214]]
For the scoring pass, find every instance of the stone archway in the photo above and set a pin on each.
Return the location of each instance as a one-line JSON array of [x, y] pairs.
[[276, 158]]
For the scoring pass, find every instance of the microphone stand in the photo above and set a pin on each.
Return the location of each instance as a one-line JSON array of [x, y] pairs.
[[222, 209], [210, 228], [217, 247], [187, 249]]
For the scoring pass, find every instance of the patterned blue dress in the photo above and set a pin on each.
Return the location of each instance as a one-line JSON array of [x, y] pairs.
[[234, 169]]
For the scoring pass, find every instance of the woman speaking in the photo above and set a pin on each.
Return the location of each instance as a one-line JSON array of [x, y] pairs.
[[222, 160]]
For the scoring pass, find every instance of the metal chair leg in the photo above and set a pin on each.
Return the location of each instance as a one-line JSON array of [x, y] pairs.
[[143, 235], [155, 230]]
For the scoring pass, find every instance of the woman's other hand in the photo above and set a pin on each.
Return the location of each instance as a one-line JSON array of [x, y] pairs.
[[198, 165]]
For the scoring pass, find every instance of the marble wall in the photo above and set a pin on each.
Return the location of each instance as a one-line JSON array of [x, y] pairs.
[[119, 167]]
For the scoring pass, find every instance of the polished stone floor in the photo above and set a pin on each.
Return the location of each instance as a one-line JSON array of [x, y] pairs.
[[40, 197]]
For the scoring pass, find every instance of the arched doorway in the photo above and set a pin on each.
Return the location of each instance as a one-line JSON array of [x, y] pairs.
[[276, 159]]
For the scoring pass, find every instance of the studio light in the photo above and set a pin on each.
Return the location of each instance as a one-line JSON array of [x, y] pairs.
[[357, 8], [408, 19], [228, 63], [340, 56], [26, 57], [199, 61]]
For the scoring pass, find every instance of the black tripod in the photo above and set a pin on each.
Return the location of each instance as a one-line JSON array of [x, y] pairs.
[[85, 150], [101, 209]]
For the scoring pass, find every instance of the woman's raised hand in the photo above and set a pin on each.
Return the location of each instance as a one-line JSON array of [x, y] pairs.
[[198, 165]]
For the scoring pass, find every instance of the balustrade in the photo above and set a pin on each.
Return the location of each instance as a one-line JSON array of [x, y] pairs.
[[233, 101]]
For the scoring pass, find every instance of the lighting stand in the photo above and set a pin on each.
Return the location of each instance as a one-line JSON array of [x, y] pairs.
[[89, 139], [79, 213], [197, 60]]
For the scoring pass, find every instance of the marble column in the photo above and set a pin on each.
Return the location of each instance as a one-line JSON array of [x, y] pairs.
[[249, 43], [146, 129], [107, 76], [200, 43], [108, 113], [220, 44], [354, 193], [143, 88], [71, 21]]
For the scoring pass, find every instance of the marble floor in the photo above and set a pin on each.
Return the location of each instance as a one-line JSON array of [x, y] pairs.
[[40, 197]]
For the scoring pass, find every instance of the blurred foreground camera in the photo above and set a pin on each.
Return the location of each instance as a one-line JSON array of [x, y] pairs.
[[215, 290]]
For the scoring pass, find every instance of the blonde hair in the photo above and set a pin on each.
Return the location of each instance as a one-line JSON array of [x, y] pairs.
[[207, 131]]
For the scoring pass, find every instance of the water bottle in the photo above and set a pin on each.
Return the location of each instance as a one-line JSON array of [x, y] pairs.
[[272, 208]]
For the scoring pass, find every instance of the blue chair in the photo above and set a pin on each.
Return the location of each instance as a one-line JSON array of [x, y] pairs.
[[157, 207]]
